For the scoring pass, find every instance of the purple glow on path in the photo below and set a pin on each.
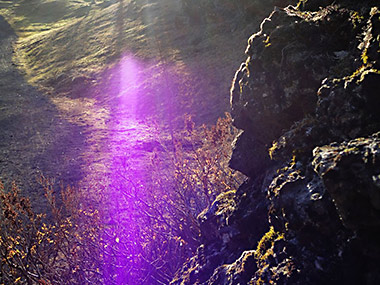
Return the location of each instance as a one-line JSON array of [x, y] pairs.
[[122, 253], [129, 80], [130, 132], [135, 91]]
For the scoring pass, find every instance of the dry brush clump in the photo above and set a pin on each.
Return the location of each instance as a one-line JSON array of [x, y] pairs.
[[63, 249], [140, 235]]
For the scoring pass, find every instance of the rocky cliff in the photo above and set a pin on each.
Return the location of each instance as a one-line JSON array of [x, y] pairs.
[[307, 99]]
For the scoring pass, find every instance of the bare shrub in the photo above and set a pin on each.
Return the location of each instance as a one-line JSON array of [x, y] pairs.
[[141, 235], [62, 250]]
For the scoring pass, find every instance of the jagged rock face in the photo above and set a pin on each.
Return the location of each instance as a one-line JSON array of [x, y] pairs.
[[357, 163], [307, 99], [277, 85]]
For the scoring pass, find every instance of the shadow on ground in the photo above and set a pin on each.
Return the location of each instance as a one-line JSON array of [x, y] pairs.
[[34, 139]]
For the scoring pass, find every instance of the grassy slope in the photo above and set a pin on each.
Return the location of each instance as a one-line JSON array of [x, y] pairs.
[[59, 37], [63, 40], [71, 38]]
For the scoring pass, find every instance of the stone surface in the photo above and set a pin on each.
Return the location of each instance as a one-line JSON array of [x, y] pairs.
[[307, 101], [350, 172]]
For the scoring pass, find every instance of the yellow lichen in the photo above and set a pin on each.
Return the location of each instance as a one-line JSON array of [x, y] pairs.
[[267, 42], [265, 245], [301, 3], [356, 18], [364, 56], [272, 149], [264, 251]]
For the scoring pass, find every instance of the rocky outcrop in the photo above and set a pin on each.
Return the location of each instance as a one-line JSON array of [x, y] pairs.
[[307, 100], [357, 162]]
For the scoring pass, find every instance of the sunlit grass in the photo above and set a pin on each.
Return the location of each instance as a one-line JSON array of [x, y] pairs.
[[57, 37], [83, 37], [29, 18]]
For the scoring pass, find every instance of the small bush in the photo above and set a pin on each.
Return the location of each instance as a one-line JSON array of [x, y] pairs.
[[141, 235], [63, 250]]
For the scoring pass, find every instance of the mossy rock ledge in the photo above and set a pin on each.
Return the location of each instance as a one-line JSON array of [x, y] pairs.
[[307, 99]]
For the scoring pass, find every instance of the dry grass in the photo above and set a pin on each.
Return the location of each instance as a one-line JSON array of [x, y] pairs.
[[67, 38]]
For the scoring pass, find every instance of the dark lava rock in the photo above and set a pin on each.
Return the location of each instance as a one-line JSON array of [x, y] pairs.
[[307, 100], [351, 174]]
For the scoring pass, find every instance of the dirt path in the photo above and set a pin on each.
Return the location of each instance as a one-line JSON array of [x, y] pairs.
[[84, 133], [75, 140], [34, 138]]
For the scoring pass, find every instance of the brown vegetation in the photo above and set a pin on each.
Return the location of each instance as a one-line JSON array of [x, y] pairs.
[[142, 239]]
